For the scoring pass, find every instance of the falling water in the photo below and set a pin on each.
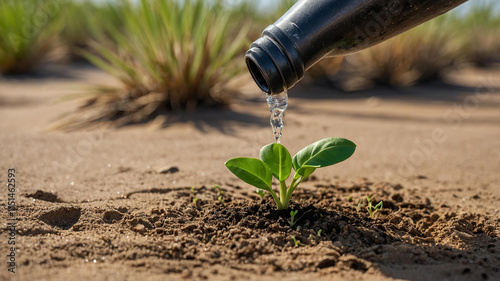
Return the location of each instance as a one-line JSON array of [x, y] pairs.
[[277, 105]]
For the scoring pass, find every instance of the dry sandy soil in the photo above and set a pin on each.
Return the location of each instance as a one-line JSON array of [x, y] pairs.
[[117, 204]]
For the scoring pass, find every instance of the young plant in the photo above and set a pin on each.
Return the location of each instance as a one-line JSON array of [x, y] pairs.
[[221, 193], [261, 193], [358, 207], [319, 232], [276, 161], [372, 210], [295, 241], [292, 220]]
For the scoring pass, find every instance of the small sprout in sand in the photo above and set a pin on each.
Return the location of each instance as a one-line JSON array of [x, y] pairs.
[[372, 210], [193, 190], [275, 160], [358, 208], [221, 194], [292, 220], [349, 198], [261, 193], [295, 241], [319, 232], [196, 199]]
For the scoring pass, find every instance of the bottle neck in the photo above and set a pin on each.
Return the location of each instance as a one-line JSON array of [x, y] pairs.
[[311, 29]]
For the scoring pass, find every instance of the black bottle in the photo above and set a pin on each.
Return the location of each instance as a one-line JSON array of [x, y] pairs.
[[312, 29]]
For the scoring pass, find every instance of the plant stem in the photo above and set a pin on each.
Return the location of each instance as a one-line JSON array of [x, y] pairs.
[[276, 199], [288, 196], [283, 194]]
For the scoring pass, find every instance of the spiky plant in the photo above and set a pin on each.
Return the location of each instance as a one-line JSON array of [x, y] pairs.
[[79, 17], [481, 37], [416, 55], [169, 56], [29, 30]]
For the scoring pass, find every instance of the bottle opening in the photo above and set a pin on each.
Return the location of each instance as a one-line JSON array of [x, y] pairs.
[[257, 75]]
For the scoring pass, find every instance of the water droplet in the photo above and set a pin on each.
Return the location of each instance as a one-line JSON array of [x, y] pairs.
[[94, 260], [277, 105]]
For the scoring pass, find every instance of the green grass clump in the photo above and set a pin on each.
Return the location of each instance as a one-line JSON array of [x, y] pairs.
[[169, 55], [418, 55], [82, 21], [29, 31], [481, 40]]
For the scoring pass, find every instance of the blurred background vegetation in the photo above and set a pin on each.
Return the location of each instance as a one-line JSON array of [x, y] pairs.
[[173, 55]]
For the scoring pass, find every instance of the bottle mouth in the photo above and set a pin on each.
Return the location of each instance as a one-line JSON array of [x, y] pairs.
[[263, 70], [273, 62], [257, 74]]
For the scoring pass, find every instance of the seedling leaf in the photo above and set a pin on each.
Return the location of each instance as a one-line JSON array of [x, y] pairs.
[[261, 193], [324, 153], [306, 170], [252, 171], [279, 160], [292, 220], [372, 210]]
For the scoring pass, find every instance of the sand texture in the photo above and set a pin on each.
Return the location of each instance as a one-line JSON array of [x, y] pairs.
[[117, 204]]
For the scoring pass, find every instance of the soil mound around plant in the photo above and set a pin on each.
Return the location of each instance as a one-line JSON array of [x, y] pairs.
[[164, 231]]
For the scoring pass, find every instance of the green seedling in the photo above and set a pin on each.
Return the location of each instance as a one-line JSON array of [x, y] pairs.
[[372, 210], [261, 193], [275, 160], [295, 241], [193, 190], [292, 220], [319, 232], [358, 208], [196, 199], [219, 190], [349, 198], [221, 194]]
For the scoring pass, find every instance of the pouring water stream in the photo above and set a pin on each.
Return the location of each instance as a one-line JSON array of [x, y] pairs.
[[277, 105]]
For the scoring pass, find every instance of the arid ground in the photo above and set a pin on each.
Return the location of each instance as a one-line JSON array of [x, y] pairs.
[[117, 204]]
